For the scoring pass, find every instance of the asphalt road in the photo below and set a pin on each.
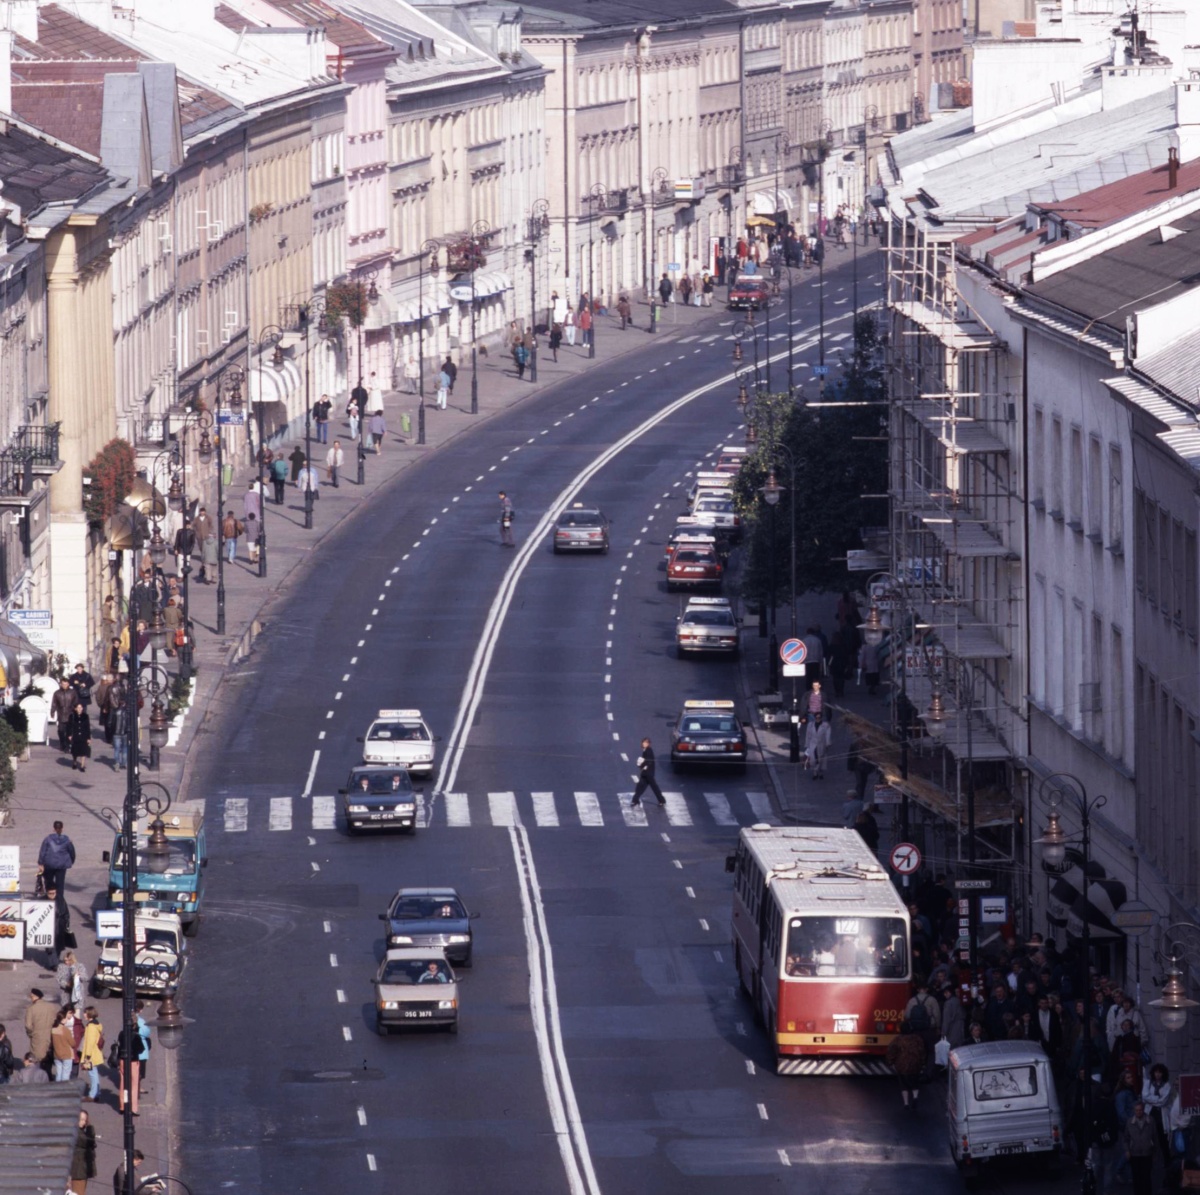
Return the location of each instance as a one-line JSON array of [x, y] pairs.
[[603, 1044]]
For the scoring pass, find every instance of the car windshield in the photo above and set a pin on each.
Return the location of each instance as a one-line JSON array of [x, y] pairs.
[[709, 618], [580, 518], [747, 286], [709, 724], [427, 908], [160, 938], [409, 972], [398, 731], [1005, 1083], [691, 556], [180, 862], [380, 784], [858, 946]]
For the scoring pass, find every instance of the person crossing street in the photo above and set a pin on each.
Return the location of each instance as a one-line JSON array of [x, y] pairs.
[[646, 778], [506, 518]]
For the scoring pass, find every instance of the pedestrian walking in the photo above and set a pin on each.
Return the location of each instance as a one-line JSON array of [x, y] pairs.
[[646, 779], [520, 355], [231, 528], [307, 481], [252, 500], [208, 559], [62, 1047], [868, 666], [119, 1183], [555, 341], [359, 397], [906, 1056], [685, 291], [412, 373], [813, 702], [1140, 1142], [264, 458], [506, 518], [818, 738], [184, 546], [378, 430], [374, 396], [443, 389], [120, 733], [91, 1052], [568, 323], [706, 288], [252, 530], [143, 1043], [585, 326], [64, 939], [1158, 1094], [61, 705], [334, 460], [83, 1160], [39, 1024], [31, 1072], [79, 732], [353, 415], [624, 311], [8, 1062], [128, 1083], [451, 372], [72, 978], [56, 856], [954, 1020], [297, 460], [279, 476], [321, 409]]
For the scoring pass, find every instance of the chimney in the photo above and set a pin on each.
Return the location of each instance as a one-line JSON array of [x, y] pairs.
[[1172, 168]]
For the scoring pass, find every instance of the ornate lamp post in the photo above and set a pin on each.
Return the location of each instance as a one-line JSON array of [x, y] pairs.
[[739, 334], [597, 198], [368, 296], [536, 226], [204, 452], [314, 307], [480, 231], [271, 335], [229, 389], [826, 129], [736, 169], [771, 492], [658, 185], [1174, 1004], [429, 254], [870, 124]]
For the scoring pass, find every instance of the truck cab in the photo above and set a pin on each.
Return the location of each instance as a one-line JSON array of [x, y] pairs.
[[159, 957], [173, 883], [1001, 1102]]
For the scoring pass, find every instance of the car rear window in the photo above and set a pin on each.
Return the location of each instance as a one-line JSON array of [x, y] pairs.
[[709, 618], [709, 724], [580, 518], [1005, 1083], [690, 556]]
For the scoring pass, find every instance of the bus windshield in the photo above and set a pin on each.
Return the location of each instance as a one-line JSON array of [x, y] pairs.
[[865, 947]]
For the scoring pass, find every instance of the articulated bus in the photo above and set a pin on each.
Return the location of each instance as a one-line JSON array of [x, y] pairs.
[[821, 946]]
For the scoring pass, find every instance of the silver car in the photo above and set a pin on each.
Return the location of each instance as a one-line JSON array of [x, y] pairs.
[[415, 986]]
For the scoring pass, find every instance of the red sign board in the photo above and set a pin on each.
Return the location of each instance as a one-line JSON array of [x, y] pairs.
[[1189, 1094]]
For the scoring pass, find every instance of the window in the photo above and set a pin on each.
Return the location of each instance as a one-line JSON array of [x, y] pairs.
[[1037, 462], [1056, 467], [1190, 582], [1095, 494], [1005, 1084], [1165, 580], [1075, 515], [1116, 501], [875, 947], [1116, 746]]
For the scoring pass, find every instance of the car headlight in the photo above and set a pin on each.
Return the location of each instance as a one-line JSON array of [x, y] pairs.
[[388, 1004], [447, 1003], [405, 808], [358, 809], [398, 940], [459, 939], [111, 968]]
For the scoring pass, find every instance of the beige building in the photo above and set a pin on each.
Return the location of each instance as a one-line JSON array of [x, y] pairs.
[[937, 52]]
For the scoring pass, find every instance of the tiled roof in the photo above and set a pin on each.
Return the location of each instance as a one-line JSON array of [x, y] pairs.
[[38, 1125], [69, 112], [231, 18], [35, 172], [1175, 368], [340, 30], [1107, 204], [556, 15]]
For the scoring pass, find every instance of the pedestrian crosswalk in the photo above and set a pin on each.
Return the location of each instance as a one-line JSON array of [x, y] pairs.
[[543, 810]]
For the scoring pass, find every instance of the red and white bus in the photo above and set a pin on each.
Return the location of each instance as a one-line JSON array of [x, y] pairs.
[[821, 945]]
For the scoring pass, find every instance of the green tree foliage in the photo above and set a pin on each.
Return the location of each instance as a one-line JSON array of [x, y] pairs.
[[839, 454]]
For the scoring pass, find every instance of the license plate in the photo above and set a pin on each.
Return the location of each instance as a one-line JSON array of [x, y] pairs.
[[417, 1013], [708, 747], [1014, 1147]]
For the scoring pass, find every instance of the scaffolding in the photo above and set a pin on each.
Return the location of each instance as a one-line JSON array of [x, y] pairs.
[[957, 525]]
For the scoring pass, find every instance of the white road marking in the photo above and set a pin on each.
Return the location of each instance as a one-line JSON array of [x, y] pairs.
[[362, 1116], [762, 1112], [749, 1067], [783, 1157], [333, 960], [315, 865], [329, 927], [760, 803], [235, 814], [704, 925], [678, 864], [281, 814], [588, 807], [341, 996], [346, 1034], [633, 816], [678, 813], [320, 736], [338, 695], [312, 768], [324, 813], [691, 892], [371, 1165], [458, 812], [345, 678], [545, 813], [718, 806], [504, 809]]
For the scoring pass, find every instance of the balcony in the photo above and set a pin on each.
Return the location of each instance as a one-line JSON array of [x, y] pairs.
[[32, 453], [733, 176]]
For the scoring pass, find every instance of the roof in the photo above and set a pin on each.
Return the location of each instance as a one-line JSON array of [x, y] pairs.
[[1140, 273], [821, 863], [35, 171], [38, 1125], [1006, 1052], [340, 30], [1175, 368], [562, 15], [1112, 202]]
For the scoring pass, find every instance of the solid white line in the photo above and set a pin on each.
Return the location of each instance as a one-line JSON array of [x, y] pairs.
[[312, 771], [543, 1005]]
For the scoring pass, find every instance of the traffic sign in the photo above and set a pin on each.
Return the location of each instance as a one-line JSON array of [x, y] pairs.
[[906, 858], [1135, 917], [820, 370], [975, 884], [793, 651], [672, 266], [795, 669]]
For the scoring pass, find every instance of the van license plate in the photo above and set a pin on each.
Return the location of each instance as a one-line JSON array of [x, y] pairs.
[[418, 1013], [1014, 1147]]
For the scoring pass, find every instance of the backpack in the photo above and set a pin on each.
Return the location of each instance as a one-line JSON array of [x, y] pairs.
[[918, 1016]]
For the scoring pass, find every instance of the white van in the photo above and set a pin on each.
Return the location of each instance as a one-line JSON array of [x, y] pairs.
[[1001, 1102]]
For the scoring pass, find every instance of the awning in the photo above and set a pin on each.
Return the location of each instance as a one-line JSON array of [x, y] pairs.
[[17, 653], [491, 283], [269, 383], [770, 201], [1069, 907]]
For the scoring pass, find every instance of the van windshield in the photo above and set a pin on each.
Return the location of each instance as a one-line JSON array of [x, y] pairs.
[[1005, 1082], [820, 947], [180, 862]]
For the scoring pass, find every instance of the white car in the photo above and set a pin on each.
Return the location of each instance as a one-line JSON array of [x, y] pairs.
[[400, 737], [707, 624]]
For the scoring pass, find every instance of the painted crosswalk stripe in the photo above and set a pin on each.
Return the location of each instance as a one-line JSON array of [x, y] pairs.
[[281, 814], [678, 813], [632, 816], [544, 811], [688, 339], [718, 806], [236, 815], [761, 804], [710, 339], [504, 809], [324, 813], [421, 818], [458, 810], [589, 809]]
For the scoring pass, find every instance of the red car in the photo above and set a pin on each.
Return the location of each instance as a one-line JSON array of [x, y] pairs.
[[749, 293], [694, 564]]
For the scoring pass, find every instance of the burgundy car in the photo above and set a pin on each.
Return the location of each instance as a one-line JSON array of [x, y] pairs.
[[749, 293]]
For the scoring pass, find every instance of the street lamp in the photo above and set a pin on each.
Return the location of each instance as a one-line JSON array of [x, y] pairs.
[[658, 185], [480, 231], [197, 417], [536, 226], [367, 297], [771, 492], [739, 334], [870, 124], [429, 253], [736, 168], [826, 130], [1174, 1004], [271, 335], [597, 198], [229, 388], [316, 306]]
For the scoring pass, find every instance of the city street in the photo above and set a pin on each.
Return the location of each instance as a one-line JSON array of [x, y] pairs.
[[604, 1046]]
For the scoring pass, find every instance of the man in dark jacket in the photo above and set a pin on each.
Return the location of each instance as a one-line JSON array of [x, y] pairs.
[[184, 546], [1046, 1028], [55, 855], [646, 778], [61, 705], [665, 290], [451, 371], [83, 683]]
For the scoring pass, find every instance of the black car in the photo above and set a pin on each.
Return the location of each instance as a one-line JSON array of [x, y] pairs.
[[708, 732], [379, 797], [430, 917], [581, 529]]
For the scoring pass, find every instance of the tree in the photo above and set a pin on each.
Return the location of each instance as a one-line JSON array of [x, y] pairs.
[[839, 454]]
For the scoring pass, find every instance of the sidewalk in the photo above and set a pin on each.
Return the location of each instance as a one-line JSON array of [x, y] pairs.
[[48, 789]]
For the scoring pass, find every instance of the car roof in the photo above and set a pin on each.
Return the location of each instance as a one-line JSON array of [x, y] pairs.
[[426, 892], [406, 954]]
